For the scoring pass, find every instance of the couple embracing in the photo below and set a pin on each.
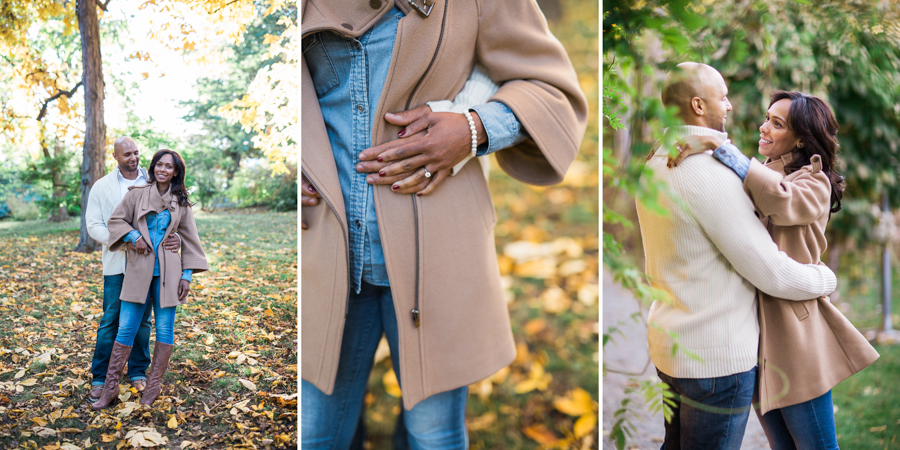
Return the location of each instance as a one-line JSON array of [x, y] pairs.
[[148, 215], [739, 251]]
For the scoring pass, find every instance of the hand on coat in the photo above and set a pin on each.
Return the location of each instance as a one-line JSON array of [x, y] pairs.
[[172, 243], [139, 246], [184, 286], [693, 145], [308, 197], [436, 141]]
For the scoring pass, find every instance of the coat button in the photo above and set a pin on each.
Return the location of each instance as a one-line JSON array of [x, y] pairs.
[[375, 4]]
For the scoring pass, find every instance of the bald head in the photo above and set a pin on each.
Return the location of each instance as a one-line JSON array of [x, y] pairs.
[[699, 93], [125, 152]]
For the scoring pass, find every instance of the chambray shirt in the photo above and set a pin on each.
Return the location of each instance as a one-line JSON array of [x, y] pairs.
[[348, 75], [157, 224]]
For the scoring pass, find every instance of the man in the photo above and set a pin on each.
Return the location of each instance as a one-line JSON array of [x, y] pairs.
[[376, 261], [708, 251], [106, 194]]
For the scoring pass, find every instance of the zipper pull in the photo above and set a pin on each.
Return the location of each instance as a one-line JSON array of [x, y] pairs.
[[415, 314]]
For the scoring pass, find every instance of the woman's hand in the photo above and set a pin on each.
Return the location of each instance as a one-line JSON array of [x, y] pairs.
[[139, 246], [184, 286], [432, 141], [172, 243], [308, 197], [693, 145]]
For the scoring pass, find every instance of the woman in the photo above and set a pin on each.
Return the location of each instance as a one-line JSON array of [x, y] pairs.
[[377, 260], [806, 347], [153, 278]]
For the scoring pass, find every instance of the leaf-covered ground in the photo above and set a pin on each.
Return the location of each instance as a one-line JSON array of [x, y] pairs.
[[232, 378], [547, 242]]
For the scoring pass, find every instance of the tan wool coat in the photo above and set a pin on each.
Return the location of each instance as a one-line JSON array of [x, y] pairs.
[[439, 248], [806, 347], [131, 215]]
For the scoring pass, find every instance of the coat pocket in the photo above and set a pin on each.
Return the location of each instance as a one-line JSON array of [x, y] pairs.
[[800, 309]]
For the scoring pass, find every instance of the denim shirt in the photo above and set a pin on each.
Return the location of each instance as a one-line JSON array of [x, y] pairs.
[[157, 224], [348, 75]]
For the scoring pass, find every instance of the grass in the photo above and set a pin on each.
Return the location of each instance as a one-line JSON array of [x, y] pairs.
[[868, 404], [51, 301]]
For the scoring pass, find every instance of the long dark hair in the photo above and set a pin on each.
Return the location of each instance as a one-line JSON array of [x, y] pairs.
[[811, 119], [177, 184]]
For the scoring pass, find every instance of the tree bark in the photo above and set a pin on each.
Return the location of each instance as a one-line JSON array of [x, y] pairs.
[[95, 127]]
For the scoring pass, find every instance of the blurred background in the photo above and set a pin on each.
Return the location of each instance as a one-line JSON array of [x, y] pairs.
[[848, 53]]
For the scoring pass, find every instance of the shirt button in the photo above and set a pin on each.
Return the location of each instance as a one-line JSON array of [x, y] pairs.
[[360, 108], [358, 224]]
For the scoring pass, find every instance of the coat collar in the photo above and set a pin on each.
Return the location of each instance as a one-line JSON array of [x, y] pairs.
[[779, 164], [350, 18]]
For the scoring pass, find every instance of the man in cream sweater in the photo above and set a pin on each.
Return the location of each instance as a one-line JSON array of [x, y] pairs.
[[710, 253], [106, 194]]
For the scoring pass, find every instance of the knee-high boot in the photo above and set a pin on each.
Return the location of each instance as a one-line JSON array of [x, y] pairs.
[[159, 364], [117, 359]]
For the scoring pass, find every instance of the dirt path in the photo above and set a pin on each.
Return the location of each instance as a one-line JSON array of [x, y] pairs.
[[628, 353]]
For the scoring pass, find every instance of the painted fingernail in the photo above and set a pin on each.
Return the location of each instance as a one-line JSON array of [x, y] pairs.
[[378, 159], [381, 173], [402, 133], [395, 187], [418, 194], [312, 189]]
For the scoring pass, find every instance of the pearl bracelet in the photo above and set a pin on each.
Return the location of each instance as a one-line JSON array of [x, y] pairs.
[[474, 133]]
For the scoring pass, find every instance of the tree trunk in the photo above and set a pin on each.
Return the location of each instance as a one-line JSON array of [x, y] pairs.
[[95, 127]]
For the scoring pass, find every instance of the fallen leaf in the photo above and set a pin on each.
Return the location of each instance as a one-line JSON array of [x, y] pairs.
[[247, 384], [585, 424], [541, 434], [172, 423]]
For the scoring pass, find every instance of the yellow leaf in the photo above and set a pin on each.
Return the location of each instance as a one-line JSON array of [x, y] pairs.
[[39, 421], [390, 383], [29, 382], [19, 374], [577, 403], [555, 300], [541, 434], [247, 384], [145, 75], [172, 423], [877, 429], [535, 326], [107, 437], [585, 424]]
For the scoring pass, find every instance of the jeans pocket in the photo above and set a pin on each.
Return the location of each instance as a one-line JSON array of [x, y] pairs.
[[320, 66], [697, 389]]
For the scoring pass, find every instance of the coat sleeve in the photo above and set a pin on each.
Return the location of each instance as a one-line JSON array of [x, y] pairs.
[[119, 224], [788, 203], [715, 198], [192, 255], [538, 83], [93, 217]]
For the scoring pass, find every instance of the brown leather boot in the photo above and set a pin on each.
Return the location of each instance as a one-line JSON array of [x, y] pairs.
[[117, 359], [161, 354]]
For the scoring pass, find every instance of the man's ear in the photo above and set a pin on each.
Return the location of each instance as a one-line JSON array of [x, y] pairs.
[[697, 106]]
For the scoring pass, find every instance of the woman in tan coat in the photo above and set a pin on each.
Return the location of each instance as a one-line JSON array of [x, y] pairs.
[[806, 347], [153, 277]]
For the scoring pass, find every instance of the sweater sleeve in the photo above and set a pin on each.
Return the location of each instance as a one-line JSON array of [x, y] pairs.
[[715, 198], [93, 217], [787, 203]]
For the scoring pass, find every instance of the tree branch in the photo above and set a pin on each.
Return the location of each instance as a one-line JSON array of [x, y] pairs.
[[224, 6], [56, 96], [103, 5]]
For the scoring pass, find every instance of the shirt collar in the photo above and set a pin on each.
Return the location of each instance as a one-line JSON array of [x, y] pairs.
[[141, 174], [693, 130]]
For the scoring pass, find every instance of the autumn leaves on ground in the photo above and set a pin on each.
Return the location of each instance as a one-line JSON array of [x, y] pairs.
[[233, 375]]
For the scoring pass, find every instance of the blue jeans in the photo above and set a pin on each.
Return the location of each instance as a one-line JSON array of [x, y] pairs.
[[106, 334], [130, 314], [711, 413], [805, 426], [329, 421]]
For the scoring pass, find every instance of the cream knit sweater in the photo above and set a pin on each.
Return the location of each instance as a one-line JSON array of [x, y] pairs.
[[708, 252]]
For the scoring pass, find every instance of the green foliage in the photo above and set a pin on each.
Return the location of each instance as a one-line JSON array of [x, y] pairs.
[[257, 186]]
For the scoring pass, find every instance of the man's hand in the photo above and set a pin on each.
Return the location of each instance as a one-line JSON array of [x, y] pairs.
[[172, 243], [184, 286], [139, 246], [693, 145], [432, 141], [308, 197]]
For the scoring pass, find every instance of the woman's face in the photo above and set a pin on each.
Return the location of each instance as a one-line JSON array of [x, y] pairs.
[[164, 170], [775, 139]]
